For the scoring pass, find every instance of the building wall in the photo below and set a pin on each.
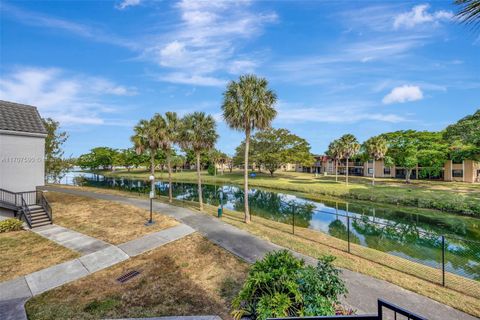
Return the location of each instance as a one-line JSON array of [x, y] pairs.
[[22, 166]]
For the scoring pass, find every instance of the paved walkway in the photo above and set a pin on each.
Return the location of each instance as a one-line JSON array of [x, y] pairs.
[[98, 255], [363, 290]]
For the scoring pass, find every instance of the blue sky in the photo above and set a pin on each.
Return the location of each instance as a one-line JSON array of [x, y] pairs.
[[337, 67]]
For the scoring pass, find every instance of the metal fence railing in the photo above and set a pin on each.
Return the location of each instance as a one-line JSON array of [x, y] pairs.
[[443, 259]]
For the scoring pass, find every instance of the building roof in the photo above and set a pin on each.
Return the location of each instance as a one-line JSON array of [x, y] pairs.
[[20, 118]]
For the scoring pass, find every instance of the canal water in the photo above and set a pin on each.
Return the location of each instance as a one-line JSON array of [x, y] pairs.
[[413, 234]]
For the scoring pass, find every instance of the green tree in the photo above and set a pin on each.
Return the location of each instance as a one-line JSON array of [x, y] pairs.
[[469, 11], [465, 131], [126, 158], [349, 147], [55, 164], [273, 148], [198, 133], [336, 153], [376, 148], [248, 105], [172, 124], [149, 135]]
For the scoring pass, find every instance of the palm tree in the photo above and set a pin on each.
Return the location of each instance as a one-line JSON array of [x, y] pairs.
[[248, 105], [198, 133], [149, 135], [335, 152], [469, 12], [171, 137], [376, 148], [349, 147]]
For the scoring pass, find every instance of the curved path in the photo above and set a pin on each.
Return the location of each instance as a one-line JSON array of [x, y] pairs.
[[363, 290]]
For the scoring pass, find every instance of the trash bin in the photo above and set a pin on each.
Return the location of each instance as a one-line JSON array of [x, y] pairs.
[[220, 212]]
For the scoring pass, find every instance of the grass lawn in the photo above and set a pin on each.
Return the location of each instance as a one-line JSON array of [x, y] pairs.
[[109, 221], [190, 276], [377, 264], [23, 252], [463, 198]]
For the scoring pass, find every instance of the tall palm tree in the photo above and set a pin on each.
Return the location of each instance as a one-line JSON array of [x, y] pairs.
[[376, 148], [350, 147], [198, 133], [171, 137], [248, 105], [335, 152], [148, 137], [469, 12]]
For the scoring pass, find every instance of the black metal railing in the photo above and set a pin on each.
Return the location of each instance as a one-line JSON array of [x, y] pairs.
[[20, 202], [43, 202], [25, 211], [393, 310]]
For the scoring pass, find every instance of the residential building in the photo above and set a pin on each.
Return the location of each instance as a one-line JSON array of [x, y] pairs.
[[22, 147], [464, 171]]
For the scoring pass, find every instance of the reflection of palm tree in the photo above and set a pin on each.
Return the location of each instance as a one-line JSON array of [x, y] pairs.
[[337, 229]]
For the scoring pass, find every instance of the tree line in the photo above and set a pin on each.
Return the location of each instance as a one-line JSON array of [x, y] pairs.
[[408, 149]]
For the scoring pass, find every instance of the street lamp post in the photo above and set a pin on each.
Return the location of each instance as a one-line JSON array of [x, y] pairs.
[[151, 196], [220, 210]]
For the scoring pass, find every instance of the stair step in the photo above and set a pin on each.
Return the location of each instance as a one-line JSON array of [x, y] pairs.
[[40, 224], [35, 206], [40, 217], [36, 213]]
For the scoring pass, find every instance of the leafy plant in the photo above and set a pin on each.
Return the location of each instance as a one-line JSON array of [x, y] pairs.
[[281, 285], [11, 225]]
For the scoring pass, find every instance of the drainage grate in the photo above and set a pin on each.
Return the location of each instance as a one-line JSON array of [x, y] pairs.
[[127, 276]]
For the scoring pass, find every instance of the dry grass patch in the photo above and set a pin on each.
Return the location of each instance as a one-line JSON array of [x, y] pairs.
[[106, 220], [24, 252], [317, 244], [191, 276]]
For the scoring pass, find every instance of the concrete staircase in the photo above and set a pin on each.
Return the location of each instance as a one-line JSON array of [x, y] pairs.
[[39, 216]]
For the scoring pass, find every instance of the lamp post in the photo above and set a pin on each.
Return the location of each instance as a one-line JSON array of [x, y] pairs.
[[151, 196], [220, 210]]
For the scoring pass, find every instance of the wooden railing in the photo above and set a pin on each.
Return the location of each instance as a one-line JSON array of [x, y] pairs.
[[43, 202], [26, 212], [20, 202]]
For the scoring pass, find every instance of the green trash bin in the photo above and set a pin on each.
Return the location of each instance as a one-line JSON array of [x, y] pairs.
[[220, 212]]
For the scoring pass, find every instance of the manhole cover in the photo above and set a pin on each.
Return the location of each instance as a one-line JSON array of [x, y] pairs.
[[127, 276]]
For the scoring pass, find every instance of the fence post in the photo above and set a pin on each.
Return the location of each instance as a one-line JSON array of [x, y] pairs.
[[348, 232], [293, 220], [443, 260]]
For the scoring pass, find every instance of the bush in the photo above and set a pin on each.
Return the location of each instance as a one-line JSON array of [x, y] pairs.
[[211, 169], [11, 225], [281, 285]]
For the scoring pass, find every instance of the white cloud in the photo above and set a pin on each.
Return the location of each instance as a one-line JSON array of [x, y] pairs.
[[341, 113], [66, 98], [186, 78], [403, 94], [45, 21], [207, 39], [127, 3], [420, 15]]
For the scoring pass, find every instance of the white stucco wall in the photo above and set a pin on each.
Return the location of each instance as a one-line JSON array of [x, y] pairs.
[[22, 164]]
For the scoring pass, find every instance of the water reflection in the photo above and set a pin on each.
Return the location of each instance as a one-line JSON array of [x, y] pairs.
[[412, 235]]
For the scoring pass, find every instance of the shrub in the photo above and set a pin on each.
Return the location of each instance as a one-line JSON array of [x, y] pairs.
[[281, 285], [10, 225], [211, 169]]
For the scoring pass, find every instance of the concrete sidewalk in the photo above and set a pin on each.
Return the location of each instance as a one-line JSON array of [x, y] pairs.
[[364, 291], [14, 293]]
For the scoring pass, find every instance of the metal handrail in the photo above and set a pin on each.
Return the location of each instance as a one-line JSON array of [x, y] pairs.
[[382, 304], [26, 212], [42, 201]]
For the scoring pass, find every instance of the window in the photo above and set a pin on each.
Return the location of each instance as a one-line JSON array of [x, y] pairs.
[[370, 170], [386, 171], [457, 173], [457, 161]]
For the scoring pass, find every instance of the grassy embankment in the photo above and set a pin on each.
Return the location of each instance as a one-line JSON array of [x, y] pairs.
[[24, 252], [396, 270], [190, 276], [454, 197]]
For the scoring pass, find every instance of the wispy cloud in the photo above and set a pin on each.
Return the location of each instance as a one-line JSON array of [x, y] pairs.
[[419, 15], [333, 113], [207, 39], [64, 97], [403, 94], [127, 3], [45, 21]]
